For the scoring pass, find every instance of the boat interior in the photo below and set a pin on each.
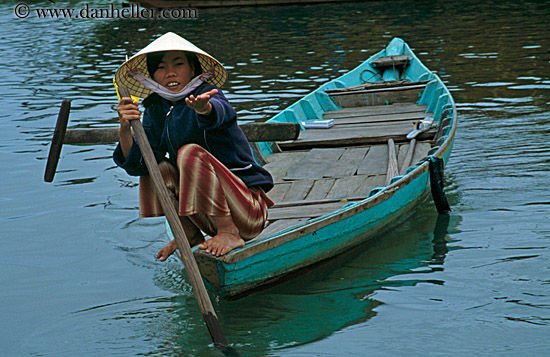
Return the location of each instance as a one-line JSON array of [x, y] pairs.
[[365, 145]]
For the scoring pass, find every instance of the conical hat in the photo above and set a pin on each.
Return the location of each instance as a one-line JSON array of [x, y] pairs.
[[167, 42]]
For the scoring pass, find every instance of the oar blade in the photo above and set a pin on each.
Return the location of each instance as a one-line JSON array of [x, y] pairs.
[[57, 140]]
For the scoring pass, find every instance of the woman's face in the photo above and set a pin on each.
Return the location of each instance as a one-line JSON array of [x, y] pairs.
[[174, 71]]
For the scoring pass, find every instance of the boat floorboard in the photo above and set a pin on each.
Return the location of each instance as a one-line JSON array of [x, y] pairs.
[[288, 168], [326, 168], [278, 226], [316, 181]]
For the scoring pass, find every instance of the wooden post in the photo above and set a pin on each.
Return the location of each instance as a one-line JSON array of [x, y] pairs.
[[188, 259]]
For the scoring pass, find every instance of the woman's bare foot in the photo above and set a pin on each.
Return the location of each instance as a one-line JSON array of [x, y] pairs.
[[222, 243], [167, 250], [194, 236], [226, 239]]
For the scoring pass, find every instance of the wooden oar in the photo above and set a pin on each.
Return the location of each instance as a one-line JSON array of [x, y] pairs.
[[408, 158], [254, 132], [392, 162], [191, 267]]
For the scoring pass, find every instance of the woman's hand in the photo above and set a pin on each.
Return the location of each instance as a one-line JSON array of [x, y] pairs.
[[127, 111], [201, 103]]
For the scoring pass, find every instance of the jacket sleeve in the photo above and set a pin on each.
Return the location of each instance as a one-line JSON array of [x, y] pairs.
[[222, 114], [134, 164]]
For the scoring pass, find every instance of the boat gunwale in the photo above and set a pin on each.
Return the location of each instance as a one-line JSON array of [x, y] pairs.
[[450, 136]]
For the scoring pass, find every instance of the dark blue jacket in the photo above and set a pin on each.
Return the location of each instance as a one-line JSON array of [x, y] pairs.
[[169, 127]]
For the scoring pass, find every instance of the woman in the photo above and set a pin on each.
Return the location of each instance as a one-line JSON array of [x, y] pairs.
[[219, 187]]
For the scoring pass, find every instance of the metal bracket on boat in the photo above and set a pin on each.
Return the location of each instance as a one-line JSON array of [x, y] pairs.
[[421, 126], [437, 186]]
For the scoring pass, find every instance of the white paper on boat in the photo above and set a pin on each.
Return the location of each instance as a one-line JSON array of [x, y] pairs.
[[318, 124]]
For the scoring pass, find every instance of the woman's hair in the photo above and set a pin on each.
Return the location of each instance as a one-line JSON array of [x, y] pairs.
[[155, 58]]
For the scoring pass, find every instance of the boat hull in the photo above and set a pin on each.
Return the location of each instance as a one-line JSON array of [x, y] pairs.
[[319, 240], [261, 263]]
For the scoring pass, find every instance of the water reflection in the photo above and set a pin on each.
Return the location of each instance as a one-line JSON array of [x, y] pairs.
[[337, 295], [440, 238], [334, 296]]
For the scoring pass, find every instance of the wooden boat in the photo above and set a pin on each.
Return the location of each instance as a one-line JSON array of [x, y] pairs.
[[338, 187]]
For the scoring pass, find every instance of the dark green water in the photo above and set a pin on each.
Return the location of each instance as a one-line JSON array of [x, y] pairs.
[[77, 266]]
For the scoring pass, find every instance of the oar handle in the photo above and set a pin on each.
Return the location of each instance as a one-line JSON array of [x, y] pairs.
[[188, 259]]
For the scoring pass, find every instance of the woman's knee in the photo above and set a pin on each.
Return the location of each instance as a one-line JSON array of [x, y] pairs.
[[191, 150], [250, 231]]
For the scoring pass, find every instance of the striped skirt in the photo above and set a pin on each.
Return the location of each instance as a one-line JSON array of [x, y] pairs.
[[205, 188]]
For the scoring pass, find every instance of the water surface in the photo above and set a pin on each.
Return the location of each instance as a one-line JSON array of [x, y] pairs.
[[77, 265]]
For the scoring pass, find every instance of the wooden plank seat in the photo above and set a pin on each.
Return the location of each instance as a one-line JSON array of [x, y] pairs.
[[355, 134], [384, 93], [391, 61], [378, 113], [380, 85], [364, 126], [393, 113], [396, 64]]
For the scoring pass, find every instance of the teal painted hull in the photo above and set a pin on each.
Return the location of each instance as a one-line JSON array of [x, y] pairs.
[[274, 257], [324, 241]]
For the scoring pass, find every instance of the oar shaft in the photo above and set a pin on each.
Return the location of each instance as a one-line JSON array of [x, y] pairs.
[[188, 259]]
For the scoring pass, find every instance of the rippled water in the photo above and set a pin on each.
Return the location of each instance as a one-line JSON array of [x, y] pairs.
[[77, 265]]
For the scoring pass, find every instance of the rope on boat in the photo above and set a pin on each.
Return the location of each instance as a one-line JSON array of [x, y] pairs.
[[374, 74]]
